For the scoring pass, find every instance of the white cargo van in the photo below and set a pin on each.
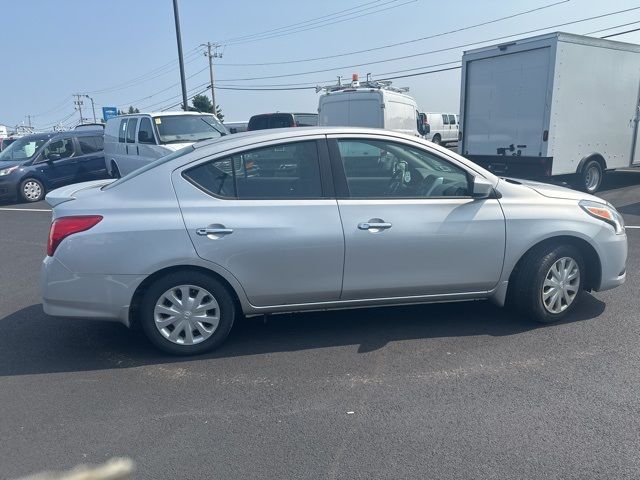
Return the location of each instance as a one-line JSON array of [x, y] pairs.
[[554, 104], [370, 104], [443, 127], [132, 141]]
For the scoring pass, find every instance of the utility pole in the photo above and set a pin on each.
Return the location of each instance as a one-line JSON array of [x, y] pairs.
[[176, 16], [78, 102], [29, 120], [211, 56], [93, 108]]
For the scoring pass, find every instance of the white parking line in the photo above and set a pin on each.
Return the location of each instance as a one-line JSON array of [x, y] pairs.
[[24, 209], [632, 226]]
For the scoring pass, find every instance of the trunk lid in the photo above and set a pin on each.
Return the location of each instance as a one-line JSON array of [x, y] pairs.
[[71, 192]]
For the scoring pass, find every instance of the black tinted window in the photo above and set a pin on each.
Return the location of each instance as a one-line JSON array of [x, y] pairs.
[[289, 171], [445, 119], [452, 119], [280, 121], [131, 130], [376, 169], [91, 144], [145, 132], [123, 130], [259, 122]]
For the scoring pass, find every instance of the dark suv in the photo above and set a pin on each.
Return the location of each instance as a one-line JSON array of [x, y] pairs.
[[35, 164], [282, 120]]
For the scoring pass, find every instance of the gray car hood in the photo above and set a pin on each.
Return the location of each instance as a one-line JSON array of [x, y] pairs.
[[554, 191]]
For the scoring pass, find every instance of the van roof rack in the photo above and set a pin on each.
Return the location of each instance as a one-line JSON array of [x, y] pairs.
[[355, 83]]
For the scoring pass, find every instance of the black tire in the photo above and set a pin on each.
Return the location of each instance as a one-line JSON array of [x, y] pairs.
[[115, 171], [590, 177], [527, 294], [31, 190], [227, 312], [437, 139]]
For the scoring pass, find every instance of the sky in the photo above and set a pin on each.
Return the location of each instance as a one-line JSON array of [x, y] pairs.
[[123, 52]]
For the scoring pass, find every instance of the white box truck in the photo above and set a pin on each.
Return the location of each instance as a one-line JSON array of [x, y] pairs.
[[554, 104], [371, 104]]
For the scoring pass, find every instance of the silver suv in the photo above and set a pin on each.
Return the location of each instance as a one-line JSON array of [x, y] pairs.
[[318, 218]]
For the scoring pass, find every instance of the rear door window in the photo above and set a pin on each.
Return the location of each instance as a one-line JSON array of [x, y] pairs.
[[91, 144], [286, 172], [131, 130], [445, 119], [452, 119]]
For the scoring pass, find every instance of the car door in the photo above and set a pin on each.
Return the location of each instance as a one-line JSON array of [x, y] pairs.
[[453, 125], [90, 157], [268, 216], [411, 227], [58, 164], [147, 148]]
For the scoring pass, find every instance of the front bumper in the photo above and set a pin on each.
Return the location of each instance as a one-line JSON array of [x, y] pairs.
[[8, 189], [613, 260], [67, 294]]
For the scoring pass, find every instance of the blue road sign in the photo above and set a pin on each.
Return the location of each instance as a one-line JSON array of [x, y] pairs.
[[109, 112]]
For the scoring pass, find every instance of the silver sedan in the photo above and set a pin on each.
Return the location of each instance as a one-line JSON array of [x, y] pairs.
[[312, 219]]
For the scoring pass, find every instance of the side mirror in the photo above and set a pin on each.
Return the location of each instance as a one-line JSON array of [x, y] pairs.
[[481, 188]]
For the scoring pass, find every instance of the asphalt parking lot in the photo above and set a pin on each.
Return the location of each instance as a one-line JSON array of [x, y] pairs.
[[445, 391]]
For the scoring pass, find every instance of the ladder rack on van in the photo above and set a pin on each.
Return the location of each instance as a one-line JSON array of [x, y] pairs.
[[355, 83]]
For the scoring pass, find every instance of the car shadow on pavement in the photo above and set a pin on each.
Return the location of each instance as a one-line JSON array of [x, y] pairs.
[[33, 343]]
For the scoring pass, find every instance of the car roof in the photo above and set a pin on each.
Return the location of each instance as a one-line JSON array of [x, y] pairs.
[[164, 114], [68, 133]]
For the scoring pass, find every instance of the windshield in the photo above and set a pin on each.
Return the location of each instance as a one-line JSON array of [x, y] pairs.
[[22, 149], [188, 128]]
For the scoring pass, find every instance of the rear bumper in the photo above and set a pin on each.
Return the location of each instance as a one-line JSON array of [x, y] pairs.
[[67, 294], [515, 166]]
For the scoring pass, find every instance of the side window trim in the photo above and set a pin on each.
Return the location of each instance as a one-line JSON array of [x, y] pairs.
[[340, 176]]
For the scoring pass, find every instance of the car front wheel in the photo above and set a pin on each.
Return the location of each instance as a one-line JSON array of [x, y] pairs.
[[187, 313], [549, 283], [32, 190]]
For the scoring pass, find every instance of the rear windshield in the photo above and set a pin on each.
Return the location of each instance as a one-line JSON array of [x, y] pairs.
[[306, 120], [275, 120], [188, 128]]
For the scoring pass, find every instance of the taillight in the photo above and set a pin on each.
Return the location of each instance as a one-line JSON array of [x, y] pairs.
[[62, 227]]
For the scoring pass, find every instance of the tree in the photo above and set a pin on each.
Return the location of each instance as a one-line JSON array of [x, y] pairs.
[[133, 110], [201, 103]]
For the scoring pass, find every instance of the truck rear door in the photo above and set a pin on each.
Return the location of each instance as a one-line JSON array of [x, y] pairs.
[[506, 103]]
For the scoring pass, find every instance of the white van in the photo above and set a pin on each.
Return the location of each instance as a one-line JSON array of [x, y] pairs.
[[132, 141], [370, 104], [443, 127]]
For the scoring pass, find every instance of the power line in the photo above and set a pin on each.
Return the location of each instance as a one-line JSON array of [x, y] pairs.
[[430, 52], [391, 45], [611, 28], [265, 32], [324, 24], [621, 33]]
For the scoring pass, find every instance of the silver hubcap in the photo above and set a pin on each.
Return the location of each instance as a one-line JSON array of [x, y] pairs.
[[561, 285], [32, 190], [186, 314], [592, 178]]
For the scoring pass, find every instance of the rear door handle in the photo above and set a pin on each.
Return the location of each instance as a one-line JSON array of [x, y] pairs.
[[214, 231], [374, 226]]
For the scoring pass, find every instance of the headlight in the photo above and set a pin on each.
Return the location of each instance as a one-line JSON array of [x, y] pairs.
[[7, 171], [604, 212]]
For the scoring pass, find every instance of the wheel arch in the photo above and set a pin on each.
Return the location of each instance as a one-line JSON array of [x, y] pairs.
[[589, 255], [592, 156], [136, 299]]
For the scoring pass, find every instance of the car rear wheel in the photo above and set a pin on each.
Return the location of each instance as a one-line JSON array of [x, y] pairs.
[[32, 190], [187, 313], [115, 171], [591, 176], [549, 283]]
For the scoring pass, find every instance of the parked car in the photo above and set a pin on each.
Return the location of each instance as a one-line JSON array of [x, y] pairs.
[[90, 127], [443, 127], [236, 127], [550, 105], [282, 120], [186, 245], [35, 164], [133, 141], [371, 104]]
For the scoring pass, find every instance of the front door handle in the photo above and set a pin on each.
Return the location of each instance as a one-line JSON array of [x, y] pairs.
[[214, 231], [374, 225]]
